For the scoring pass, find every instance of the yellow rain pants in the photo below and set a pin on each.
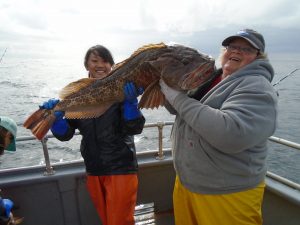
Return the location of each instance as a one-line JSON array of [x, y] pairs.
[[114, 197], [241, 208]]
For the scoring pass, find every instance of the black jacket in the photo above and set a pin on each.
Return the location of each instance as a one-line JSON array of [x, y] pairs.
[[107, 144]]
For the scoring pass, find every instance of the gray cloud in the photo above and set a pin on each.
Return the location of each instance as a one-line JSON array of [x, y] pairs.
[[51, 28]]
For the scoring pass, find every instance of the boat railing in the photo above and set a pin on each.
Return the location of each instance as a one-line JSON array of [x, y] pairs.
[[160, 152]]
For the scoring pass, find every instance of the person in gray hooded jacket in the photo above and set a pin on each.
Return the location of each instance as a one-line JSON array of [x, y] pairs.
[[220, 136]]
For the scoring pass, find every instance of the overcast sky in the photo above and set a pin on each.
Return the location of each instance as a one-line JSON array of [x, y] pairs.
[[59, 28]]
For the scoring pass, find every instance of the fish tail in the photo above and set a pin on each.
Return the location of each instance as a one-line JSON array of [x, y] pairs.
[[40, 122]]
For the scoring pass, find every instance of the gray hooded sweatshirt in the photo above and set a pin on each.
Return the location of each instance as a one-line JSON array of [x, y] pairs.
[[220, 142]]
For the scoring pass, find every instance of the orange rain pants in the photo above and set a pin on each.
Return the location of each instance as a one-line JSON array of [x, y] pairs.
[[240, 208], [114, 197]]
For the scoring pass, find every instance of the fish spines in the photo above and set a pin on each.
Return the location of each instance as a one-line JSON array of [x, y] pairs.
[[143, 54]]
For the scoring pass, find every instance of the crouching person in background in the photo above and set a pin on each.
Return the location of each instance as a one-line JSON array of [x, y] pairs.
[[8, 132]]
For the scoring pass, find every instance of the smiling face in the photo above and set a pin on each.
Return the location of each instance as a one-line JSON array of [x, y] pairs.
[[239, 53], [97, 67]]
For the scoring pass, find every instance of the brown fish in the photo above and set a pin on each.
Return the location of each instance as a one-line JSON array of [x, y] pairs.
[[181, 67]]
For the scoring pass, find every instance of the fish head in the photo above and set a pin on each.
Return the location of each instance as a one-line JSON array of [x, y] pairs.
[[184, 68]]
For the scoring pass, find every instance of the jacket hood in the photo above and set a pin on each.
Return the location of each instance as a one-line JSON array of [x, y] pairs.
[[259, 67]]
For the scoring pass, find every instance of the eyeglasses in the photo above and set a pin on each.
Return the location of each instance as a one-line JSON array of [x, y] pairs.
[[246, 50]]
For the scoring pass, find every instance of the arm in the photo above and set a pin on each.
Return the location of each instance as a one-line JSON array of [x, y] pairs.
[[61, 129], [170, 95], [133, 119], [67, 135], [170, 108], [133, 127]]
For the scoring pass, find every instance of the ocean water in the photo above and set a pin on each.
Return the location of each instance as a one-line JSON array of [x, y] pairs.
[[24, 84]]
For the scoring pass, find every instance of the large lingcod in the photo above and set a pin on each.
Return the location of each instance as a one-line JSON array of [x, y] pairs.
[[182, 68]]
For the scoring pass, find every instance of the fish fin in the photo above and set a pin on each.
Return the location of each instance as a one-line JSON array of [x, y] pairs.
[[152, 97], [40, 122], [33, 118], [87, 112], [146, 47], [75, 87], [138, 51]]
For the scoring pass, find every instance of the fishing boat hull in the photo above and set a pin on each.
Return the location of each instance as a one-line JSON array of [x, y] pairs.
[[61, 198]]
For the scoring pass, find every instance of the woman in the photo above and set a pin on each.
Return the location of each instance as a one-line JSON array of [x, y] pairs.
[[220, 137], [107, 145]]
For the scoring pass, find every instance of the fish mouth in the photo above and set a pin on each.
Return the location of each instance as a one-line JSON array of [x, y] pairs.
[[197, 77]]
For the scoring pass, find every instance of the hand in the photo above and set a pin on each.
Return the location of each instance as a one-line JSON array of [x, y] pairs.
[[169, 92], [5, 207], [131, 92], [50, 104], [60, 125]]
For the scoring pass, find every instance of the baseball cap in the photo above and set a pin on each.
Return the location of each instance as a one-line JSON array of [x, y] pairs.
[[11, 126], [252, 36]]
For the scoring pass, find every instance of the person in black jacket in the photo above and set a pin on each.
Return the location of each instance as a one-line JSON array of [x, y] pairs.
[[107, 145]]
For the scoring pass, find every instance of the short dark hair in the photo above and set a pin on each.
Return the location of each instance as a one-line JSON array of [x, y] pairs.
[[101, 51]]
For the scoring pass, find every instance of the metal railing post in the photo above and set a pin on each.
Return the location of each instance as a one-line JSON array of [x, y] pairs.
[[49, 169], [160, 126]]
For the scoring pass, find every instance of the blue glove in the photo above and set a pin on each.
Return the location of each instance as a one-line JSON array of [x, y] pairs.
[[60, 125], [50, 104], [5, 207], [131, 93]]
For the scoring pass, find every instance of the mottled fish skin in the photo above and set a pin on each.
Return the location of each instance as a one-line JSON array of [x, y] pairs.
[[146, 66], [136, 69], [181, 67]]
